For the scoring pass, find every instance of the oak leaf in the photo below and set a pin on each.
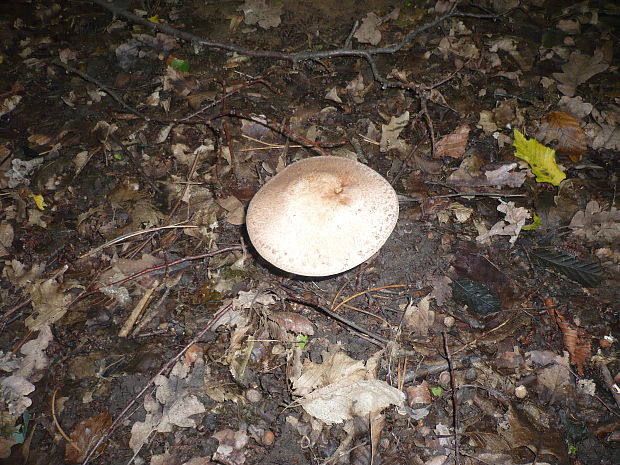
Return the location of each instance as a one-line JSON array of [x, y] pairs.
[[578, 70]]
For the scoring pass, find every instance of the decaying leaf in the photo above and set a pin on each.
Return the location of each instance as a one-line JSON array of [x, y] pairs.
[[231, 448], [576, 340], [85, 435], [339, 402], [172, 405], [595, 223], [235, 209], [472, 265], [566, 130], [368, 33], [454, 144], [578, 70], [540, 158], [391, 131], [554, 372], [293, 322], [512, 224], [51, 300], [419, 317], [419, 394], [586, 272], [477, 296], [259, 12], [525, 431], [337, 367]]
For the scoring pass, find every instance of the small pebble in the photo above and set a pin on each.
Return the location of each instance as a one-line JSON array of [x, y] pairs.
[[268, 438], [448, 321], [253, 395], [521, 392], [444, 378]]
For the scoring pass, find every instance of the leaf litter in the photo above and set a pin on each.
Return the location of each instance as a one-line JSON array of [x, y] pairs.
[[136, 278]]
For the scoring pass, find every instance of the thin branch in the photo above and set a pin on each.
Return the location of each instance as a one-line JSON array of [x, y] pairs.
[[170, 364], [455, 405], [295, 58]]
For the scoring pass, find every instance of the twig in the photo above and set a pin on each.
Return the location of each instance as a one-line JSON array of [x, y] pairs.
[[59, 428], [165, 266], [103, 87], [455, 404], [366, 292], [167, 366], [604, 371], [403, 199], [338, 318], [134, 234], [403, 166], [133, 161], [295, 58]]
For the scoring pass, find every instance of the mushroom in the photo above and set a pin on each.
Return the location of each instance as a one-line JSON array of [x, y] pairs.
[[322, 216]]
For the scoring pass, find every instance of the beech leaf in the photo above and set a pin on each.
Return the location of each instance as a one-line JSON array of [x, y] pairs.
[[540, 158]]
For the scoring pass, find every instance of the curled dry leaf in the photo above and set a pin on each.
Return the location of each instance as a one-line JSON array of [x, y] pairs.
[[293, 322], [576, 340], [566, 130], [230, 451], [453, 145], [85, 435]]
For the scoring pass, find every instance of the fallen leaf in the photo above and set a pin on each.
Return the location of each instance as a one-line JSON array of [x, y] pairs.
[[597, 224], [419, 317], [578, 70], [293, 322], [514, 220], [172, 405], [576, 340], [419, 394], [339, 402], [391, 131], [85, 435], [258, 12], [540, 158], [453, 145], [230, 450], [235, 209], [526, 432], [6, 238], [566, 130], [368, 33], [505, 176]]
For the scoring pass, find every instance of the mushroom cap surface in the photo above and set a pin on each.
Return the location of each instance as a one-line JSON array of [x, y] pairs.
[[321, 216]]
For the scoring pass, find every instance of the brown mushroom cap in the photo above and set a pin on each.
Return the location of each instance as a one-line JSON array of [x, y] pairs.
[[322, 216]]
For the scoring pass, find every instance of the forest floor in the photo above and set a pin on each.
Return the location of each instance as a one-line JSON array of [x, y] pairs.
[[139, 325]]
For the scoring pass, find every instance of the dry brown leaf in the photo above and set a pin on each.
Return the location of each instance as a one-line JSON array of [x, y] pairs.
[[231, 448], [419, 317], [566, 130], [85, 434], [576, 341], [453, 145], [293, 322], [578, 70], [368, 32], [419, 394], [526, 431]]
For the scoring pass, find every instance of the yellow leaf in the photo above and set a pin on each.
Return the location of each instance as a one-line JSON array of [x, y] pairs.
[[540, 158], [39, 200], [154, 19]]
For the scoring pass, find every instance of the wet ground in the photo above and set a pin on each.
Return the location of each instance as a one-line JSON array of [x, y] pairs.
[[138, 323]]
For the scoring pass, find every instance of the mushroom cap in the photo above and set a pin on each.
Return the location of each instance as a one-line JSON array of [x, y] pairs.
[[322, 216]]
